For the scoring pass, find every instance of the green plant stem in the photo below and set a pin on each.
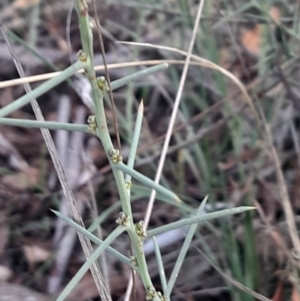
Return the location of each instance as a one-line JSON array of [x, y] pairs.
[[43, 88], [101, 131], [148, 182], [183, 251], [137, 75], [93, 238], [197, 219], [103, 134], [135, 140], [51, 125], [160, 264]]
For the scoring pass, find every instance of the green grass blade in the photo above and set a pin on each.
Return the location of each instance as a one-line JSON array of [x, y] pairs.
[[51, 125], [250, 257], [197, 219], [184, 250], [81, 272]]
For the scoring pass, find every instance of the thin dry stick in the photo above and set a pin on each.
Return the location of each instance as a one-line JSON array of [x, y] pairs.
[[284, 195], [113, 106], [171, 125], [285, 200], [174, 113], [62, 237], [65, 244], [94, 213], [85, 242]]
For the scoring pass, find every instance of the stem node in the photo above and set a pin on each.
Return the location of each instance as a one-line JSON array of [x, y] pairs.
[[122, 219], [92, 123], [115, 156], [133, 261], [82, 56], [102, 83], [140, 230], [151, 294]]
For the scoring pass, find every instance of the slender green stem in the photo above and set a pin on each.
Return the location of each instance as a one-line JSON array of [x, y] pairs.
[[137, 244], [146, 181], [184, 250], [135, 140], [197, 219], [125, 80], [143, 191], [94, 238], [103, 134], [160, 264], [101, 131], [51, 125], [86, 266], [43, 88]]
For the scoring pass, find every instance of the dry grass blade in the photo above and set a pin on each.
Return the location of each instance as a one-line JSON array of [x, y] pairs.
[[286, 204], [234, 282], [46, 76], [208, 64], [66, 239]]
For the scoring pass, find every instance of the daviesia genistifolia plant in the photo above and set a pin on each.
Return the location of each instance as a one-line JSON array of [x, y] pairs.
[[122, 172]]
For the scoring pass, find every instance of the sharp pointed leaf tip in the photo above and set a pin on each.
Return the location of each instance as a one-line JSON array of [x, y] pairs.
[[205, 198], [141, 106], [54, 211], [178, 200]]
